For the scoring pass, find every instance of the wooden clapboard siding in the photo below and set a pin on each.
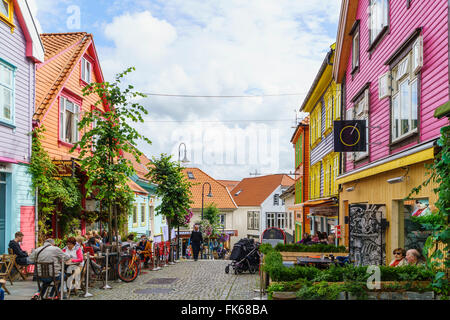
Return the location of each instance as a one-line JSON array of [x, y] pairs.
[[46, 77], [15, 143], [434, 76]]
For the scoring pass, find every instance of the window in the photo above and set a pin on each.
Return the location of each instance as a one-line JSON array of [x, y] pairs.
[[270, 219], [315, 180], [316, 124], [329, 106], [7, 74], [7, 12], [355, 51], [151, 214], [298, 191], [143, 213], [299, 151], [290, 220], [405, 96], [379, 16], [326, 176], [337, 103], [334, 174], [68, 120], [276, 200], [191, 175], [361, 112], [281, 219], [135, 214], [253, 220], [85, 70]]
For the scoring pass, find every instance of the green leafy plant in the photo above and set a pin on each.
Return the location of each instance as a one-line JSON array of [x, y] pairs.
[[437, 222], [296, 247], [106, 136]]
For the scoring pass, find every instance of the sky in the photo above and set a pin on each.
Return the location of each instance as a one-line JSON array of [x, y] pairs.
[[210, 48]]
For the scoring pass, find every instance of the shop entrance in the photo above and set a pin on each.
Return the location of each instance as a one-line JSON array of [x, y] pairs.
[[367, 236]]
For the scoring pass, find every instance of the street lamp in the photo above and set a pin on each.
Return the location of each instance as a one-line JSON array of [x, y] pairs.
[[203, 193], [185, 160]]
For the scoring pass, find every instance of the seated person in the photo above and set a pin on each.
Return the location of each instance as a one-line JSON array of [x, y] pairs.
[[145, 246], [399, 258], [306, 238], [21, 256], [49, 252], [76, 256], [414, 258], [92, 243], [315, 238], [129, 243], [2, 292]]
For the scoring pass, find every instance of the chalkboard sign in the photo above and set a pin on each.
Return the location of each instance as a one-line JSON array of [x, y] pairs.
[[273, 236]]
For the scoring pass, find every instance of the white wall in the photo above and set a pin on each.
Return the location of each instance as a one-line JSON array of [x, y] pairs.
[[240, 224], [268, 206]]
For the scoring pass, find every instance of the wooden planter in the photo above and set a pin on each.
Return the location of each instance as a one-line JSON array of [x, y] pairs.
[[292, 256]]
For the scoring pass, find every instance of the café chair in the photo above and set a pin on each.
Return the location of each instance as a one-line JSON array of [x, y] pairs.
[[21, 270]]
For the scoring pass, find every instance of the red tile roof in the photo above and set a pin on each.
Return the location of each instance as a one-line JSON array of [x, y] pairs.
[[253, 191], [230, 184], [221, 196]]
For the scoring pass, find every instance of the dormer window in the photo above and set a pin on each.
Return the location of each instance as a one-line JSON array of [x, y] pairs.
[[191, 175], [237, 193], [86, 68]]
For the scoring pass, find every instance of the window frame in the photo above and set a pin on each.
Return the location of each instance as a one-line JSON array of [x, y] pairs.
[[62, 119], [276, 199], [135, 215], [84, 62], [12, 88], [375, 40], [411, 77], [355, 33], [143, 214], [9, 20]]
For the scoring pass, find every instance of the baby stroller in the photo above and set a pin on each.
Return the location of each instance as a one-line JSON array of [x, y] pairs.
[[245, 256]]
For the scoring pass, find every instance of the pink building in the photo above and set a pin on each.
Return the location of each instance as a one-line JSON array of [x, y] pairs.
[[392, 59]]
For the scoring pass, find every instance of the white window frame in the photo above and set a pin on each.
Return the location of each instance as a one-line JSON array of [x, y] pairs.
[[407, 75], [378, 10], [63, 120], [7, 88], [276, 199], [281, 220], [143, 213], [355, 50], [135, 213], [361, 109], [270, 219], [86, 66]]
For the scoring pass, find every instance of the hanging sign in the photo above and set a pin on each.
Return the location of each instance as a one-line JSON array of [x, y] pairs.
[[350, 136], [338, 232]]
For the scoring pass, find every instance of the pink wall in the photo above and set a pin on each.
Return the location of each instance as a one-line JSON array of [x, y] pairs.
[[433, 17], [27, 227]]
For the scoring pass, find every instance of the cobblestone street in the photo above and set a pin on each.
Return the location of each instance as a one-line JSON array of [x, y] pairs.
[[186, 280]]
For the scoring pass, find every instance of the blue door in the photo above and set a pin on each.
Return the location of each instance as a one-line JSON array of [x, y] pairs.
[[2, 213]]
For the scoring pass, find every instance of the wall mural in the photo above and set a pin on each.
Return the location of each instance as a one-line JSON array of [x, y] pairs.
[[367, 239]]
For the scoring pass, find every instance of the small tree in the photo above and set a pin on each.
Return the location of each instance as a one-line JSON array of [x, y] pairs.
[[173, 189], [106, 136]]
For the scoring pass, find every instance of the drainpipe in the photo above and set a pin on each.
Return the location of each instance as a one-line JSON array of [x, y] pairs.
[[36, 217]]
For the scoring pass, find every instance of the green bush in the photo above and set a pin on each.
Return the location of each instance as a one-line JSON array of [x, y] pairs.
[[265, 248], [319, 291], [296, 247]]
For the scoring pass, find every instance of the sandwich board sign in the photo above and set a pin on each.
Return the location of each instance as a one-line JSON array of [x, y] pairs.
[[273, 236]]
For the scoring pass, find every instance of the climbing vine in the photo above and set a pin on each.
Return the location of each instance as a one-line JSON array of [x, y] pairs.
[[437, 221], [60, 196]]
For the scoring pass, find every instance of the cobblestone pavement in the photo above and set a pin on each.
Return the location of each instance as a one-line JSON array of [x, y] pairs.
[[186, 280]]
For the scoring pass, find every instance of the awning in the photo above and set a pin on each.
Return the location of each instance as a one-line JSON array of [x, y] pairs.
[[320, 202]]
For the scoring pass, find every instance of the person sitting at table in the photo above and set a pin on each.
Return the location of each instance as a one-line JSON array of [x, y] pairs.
[[49, 252], [79, 244], [104, 236], [22, 258], [331, 239], [414, 258], [92, 243], [145, 247], [399, 258], [129, 243], [315, 238], [75, 263]]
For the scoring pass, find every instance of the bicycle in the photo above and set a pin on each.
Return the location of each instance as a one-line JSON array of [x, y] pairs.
[[129, 266]]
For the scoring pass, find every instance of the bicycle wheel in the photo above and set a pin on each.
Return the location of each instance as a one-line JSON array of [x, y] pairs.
[[127, 270]]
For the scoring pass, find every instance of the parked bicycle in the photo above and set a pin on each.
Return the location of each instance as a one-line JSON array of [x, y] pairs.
[[129, 266]]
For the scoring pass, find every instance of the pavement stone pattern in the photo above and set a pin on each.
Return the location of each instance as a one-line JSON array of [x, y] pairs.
[[188, 280]]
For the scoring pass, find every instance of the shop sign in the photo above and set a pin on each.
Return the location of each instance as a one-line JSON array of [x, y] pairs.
[[338, 232], [64, 167]]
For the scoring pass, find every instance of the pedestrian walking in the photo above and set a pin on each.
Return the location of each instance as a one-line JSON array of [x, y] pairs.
[[196, 240]]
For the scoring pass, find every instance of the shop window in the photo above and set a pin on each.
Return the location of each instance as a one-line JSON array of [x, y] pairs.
[[414, 234]]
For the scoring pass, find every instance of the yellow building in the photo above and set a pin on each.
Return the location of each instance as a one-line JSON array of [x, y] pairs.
[[323, 103]]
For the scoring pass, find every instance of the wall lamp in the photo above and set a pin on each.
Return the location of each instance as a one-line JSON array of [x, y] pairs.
[[399, 179]]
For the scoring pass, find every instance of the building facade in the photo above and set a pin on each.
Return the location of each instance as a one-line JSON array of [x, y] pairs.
[[20, 50], [260, 206], [300, 141], [323, 103], [70, 64], [392, 57]]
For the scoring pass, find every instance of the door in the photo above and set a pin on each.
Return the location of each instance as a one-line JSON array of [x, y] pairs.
[[367, 239], [2, 213]]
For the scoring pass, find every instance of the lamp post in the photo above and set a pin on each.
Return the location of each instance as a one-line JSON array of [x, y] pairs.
[[185, 160], [203, 193]]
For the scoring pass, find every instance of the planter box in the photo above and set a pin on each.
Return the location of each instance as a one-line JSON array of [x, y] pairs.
[[292, 256]]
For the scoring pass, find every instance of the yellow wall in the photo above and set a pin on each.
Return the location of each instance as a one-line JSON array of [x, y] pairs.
[[376, 190]]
